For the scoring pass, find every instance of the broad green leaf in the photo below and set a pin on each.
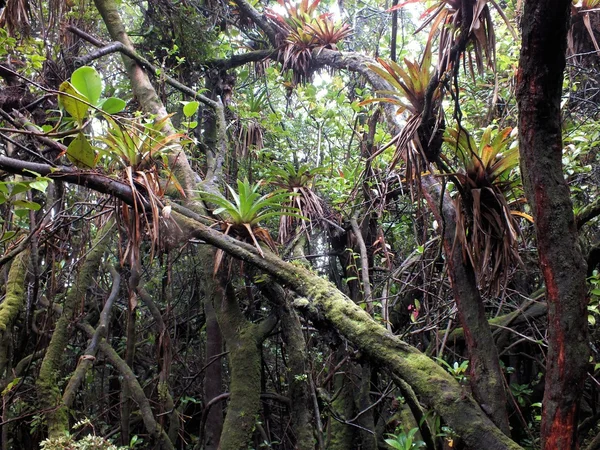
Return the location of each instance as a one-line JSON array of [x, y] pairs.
[[88, 82], [81, 153], [190, 108], [20, 187], [26, 204], [76, 108], [40, 185], [113, 105]]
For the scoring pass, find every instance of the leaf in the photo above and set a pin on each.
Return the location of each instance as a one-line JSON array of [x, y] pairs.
[[190, 108], [40, 185], [26, 204], [81, 153], [76, 108], [10, 386], [88, 82], [113, 105]]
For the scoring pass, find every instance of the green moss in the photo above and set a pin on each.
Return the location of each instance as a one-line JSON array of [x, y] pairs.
[[48, 391], [15, 291]]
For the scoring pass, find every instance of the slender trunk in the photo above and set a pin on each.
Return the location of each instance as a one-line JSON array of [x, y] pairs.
[[539, 88], [213, 384], [57, 417], [341, 436], [298, 379]]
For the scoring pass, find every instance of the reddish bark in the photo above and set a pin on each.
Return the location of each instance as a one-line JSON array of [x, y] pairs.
[[539, 91]]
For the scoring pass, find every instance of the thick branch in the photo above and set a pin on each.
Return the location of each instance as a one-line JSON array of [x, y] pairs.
[[260, 20], [93, 180], [137, 392], [325, 303]]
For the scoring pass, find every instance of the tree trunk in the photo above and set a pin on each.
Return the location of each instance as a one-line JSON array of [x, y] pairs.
[[325, 304], [539, 87], [298, 379], [57, 417], [243, 340], [213, 384]]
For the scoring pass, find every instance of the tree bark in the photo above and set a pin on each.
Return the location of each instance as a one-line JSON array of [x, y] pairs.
[[47, 384], [213, 384], [325, 304], [243, 340], [539, 88]]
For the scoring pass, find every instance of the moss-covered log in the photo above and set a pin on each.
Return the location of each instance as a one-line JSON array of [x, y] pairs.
[[432, 384], [49, 395]]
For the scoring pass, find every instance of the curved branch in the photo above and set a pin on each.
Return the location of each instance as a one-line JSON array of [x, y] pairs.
[[260, 20], [89, 356], [93, 180]]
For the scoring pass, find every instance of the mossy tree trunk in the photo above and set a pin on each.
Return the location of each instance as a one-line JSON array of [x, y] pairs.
[[13, 302], [9, 309], [298, 367], [56, 414], [213, 384], [243, 340], [298, 379], [341, 436]]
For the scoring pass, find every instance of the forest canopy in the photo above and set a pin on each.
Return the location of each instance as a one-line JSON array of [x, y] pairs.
[[299, 225]]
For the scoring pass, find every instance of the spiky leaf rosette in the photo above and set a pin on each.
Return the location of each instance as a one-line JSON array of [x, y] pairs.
[[301, 31], [486, 226], [248, 208], [298, 182], [409, 93]]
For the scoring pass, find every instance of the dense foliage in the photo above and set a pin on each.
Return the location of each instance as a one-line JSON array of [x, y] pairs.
[[242, 225]]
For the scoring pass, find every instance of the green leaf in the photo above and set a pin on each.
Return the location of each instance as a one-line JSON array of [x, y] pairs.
[[20, 187], [113, 105], [8, 236], [10, 386], [40, 185], [88, 82], [190, 108], [26, 204], [76, 108], [81, 153]]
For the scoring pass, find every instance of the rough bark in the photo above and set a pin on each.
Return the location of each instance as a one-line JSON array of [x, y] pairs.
[[298, 370], [539, 88], [243, 340], [213, 384], [341, 436]]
